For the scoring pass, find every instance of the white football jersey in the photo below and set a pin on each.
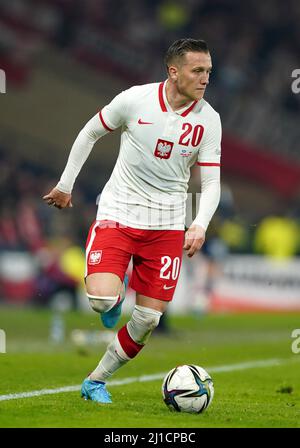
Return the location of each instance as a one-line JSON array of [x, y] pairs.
[[148, 186]]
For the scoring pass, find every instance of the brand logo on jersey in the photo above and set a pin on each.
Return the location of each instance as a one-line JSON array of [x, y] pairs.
[[95, 257], [163, 149], [185, 152], [143, 122]]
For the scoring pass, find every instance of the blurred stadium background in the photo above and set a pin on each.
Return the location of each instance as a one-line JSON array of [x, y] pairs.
[[65, 59]]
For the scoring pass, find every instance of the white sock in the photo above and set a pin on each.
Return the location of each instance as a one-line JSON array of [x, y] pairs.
[[112, 360]]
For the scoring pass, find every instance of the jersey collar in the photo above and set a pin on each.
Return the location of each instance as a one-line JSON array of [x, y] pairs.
[[165, 106]]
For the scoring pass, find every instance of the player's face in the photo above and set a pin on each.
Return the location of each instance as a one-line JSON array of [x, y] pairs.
[[192, 74]]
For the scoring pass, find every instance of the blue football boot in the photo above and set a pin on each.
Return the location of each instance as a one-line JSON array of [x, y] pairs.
[[96, 391], [112, 317]]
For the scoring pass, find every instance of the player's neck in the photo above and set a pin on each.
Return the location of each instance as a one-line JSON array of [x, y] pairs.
[[175, 98]]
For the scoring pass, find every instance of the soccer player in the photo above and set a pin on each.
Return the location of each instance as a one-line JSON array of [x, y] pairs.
[[166, 128]]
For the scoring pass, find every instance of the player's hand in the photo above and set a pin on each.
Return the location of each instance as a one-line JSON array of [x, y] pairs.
[[58, 199], [194, 239]]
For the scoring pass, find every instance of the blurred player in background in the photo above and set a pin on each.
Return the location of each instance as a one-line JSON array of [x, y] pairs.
[[166, 128]]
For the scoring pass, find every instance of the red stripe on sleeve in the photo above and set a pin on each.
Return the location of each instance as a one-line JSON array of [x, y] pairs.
[[208, 164], [103, 122], [130, 347]]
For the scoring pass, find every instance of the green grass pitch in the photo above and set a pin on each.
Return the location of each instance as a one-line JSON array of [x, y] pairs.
[[230, 347]]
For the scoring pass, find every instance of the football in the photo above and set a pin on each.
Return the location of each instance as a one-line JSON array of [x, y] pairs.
[[188, 388]]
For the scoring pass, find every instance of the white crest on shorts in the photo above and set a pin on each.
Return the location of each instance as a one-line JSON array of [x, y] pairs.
[[95, 257]]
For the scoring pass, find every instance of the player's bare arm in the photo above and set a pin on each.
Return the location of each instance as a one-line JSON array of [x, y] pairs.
[[58, 199], [194, 239]]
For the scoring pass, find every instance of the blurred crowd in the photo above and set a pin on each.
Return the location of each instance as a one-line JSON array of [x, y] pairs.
[[255, 48], [41, 249]]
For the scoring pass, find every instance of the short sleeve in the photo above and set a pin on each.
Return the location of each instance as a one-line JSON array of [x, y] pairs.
[[114, 114], [210, 148]]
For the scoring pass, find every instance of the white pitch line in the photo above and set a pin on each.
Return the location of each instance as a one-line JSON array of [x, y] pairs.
[[146, 378]]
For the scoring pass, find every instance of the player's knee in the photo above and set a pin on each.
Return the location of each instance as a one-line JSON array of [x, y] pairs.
[[152, 322], [97, 305], [142, 323], [102, 304]]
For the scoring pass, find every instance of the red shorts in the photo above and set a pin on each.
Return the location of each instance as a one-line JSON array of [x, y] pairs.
[[156, 256]]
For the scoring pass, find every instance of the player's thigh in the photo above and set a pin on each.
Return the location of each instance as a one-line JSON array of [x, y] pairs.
[[103, 284], [107, 258], [150, 302]]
